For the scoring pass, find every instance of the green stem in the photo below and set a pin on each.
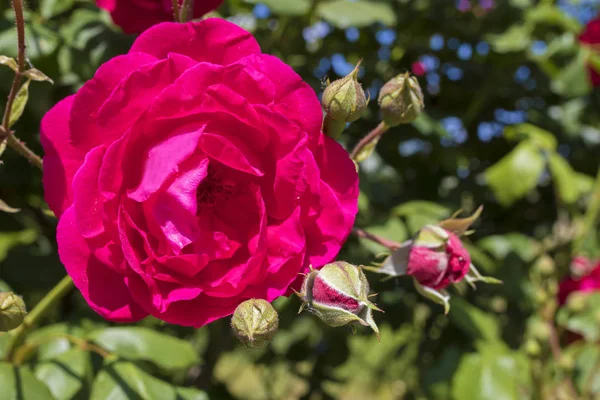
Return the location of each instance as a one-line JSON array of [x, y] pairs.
[[56, 294], [591, 217], [186, 11], [375, 134]]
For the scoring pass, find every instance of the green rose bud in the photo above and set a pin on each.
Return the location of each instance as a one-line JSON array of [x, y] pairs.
[[401, 100], [254, 322], [12, 311], [338, 294], [344, 101]]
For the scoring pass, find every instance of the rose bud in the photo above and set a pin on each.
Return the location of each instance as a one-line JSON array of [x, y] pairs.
[[12, 311], [338, 294], [401, 100], [437, 258], [581, 266], [254, 322], [344, 101]]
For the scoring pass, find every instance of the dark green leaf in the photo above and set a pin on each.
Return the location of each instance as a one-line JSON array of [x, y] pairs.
[[346, 13], [138, 343], [19, 103], [18, 383], [123, 380], [65, 375], [515, 175], [51, 8]]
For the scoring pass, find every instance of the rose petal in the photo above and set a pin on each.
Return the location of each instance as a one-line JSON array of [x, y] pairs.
[[88, 202], [111, 299], [61, 159], [212, 40]]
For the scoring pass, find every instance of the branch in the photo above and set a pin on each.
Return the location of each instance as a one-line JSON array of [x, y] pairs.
[[373, 135], [390, 244], [5, 132]]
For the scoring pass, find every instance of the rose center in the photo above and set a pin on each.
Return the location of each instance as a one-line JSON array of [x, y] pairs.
[[214, 189]]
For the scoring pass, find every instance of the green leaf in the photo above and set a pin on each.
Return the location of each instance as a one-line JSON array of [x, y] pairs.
[[564, 178], [52, 8], [552, 15], [10, 239], [393, 229], [494, 373], [585, 322], [587, 375], [345, 13], [500, 246], [572, 80], [515, 175], [539, 137], [190, 394], [18, 383], [473, 321], [36, 75], [136, 343], [123, 380], [516, 38], [66, 375], [286, 7], [433, 210], [19, 103], [9, 62], [53, 340]]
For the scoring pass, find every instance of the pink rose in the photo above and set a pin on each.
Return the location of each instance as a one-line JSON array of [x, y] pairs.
[[191, 174], [135, 16], [591, 36], [585, 279], [437, 258]]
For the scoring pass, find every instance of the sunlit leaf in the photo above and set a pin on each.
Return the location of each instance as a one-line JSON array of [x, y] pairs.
[[18, 383], [285, 7], [515, 175], [345, 13], [36, 75], [65, 375], [9, 62], [8, 209], [137, 343], [564, 178], [19, 103]]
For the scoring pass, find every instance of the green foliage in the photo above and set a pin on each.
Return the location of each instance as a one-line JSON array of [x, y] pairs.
[[534, 175]]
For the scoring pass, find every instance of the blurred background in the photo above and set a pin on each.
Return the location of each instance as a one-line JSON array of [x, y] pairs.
[[511, 122]]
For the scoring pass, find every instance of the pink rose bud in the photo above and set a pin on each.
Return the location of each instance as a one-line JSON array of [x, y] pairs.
[[437, 258], [338, 294]]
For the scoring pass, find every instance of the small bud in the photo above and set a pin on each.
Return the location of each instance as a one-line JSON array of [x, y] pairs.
[[545, 265], [581, 266], [344, 101], [254, 322], [401, 100], [12, 311], [338, 294], [532, 347], [577, 301], [437, 258]]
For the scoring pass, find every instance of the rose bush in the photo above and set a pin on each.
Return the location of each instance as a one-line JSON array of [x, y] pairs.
[[585, 278], [191, 174], [135, 16], [591, 37]]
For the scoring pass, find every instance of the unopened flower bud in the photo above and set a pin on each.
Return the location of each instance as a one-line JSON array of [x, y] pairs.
[[12, 311], [545, 265], [437, 258], [581, 266], [344, 101], [254, 322], [338, 294], [577, 301], [401, 100]]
